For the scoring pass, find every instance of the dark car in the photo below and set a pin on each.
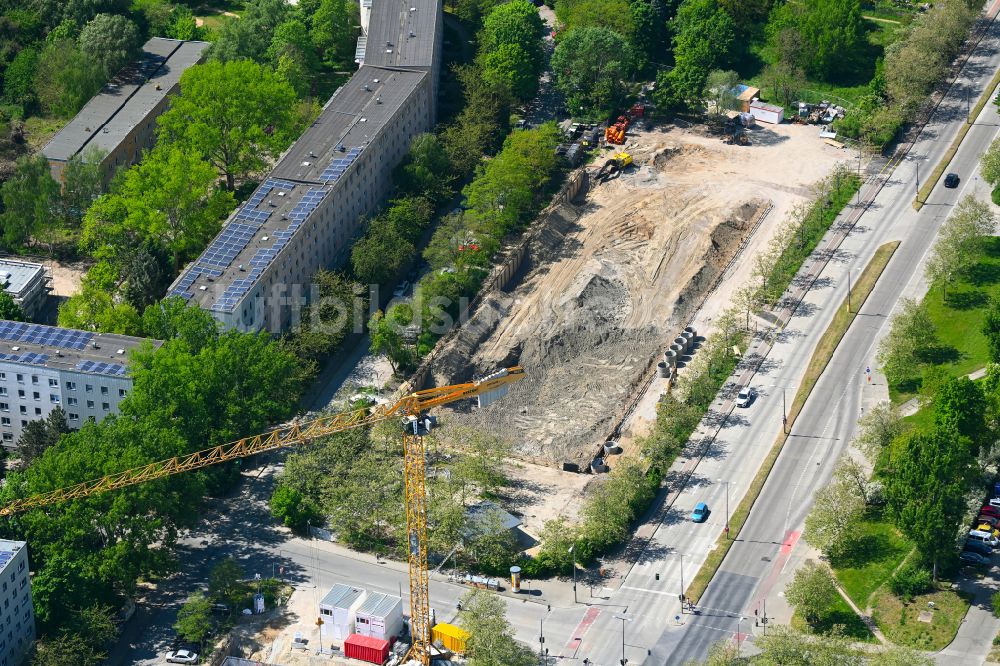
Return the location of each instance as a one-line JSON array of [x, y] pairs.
[[978, 547], [951, 180], [973, 558]]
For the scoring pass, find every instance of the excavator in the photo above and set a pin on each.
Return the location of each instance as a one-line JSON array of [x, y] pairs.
[[411, 409], [616, 164]]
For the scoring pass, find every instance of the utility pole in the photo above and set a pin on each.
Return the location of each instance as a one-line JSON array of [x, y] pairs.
[[727, 506], [682, 597], [848, 291], [574, 571]]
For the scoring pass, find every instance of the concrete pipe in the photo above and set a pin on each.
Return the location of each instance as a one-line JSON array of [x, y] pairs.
[[687, 335], [671, 359], [598, 466], [609, 448], [663, 369], [682, 341], [692, 330]]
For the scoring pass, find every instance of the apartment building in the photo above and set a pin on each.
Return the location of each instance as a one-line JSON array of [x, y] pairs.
[[17, 613], [121, 119], [26, 283], [44, 367], [307, 212]]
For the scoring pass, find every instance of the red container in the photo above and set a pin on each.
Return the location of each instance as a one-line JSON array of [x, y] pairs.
[[366, 648]]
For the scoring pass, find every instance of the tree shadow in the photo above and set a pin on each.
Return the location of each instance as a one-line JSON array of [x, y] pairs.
[[966, 300], [982, 274], [939, 354]]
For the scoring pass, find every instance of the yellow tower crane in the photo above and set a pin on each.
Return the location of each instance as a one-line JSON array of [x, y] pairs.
[[412, 408]]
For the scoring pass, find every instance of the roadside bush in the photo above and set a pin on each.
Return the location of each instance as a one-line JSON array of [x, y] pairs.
[[995, 603], [910, 581], [995, 195], [291, 508]]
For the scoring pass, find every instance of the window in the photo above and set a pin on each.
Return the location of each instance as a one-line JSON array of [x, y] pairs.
[[90, 388], [105, 406], [3, 390], [90, 404], [8, 437], [54, 397], [20, 393], [34, 379], [53, 382], [38, 411], [3, 375], [121, 393], [24, 410], [74, 417], [325, 611], [71, 386], [20, 378], [4, 407], [36, 395], [104, 390], [71, 401], [24, 424], [5, 421]]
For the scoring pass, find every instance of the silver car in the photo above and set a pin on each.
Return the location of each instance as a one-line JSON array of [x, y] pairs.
[[182, 657], [746, 396]]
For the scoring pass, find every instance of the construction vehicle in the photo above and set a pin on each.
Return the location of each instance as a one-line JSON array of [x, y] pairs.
[[615, 134], [412, 409], [616, 164]]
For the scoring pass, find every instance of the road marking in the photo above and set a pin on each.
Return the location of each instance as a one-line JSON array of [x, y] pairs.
[[643, 589], [581, 629]]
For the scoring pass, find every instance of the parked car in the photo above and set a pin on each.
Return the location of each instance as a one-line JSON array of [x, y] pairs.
[[182, 657], [951, 180], [991, 511], [985, 537], [986, 527], [700, 513], [995, 502], [746, 396], [980, 547], [973, 558]]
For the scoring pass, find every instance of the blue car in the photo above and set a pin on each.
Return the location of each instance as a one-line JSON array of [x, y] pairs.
[[700, 513]]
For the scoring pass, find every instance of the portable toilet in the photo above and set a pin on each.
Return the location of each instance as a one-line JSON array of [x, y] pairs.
[[337, 610], [451, 637], [379, 616]]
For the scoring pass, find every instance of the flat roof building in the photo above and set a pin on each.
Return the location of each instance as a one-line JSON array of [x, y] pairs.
[[44, 367], [121, 119], [305, 215], [26, 283], [17, 614]]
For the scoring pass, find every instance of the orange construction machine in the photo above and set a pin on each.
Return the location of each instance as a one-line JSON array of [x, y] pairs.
[[616, 133]]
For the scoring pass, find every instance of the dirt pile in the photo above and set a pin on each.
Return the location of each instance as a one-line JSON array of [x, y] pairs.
[[605, 288]]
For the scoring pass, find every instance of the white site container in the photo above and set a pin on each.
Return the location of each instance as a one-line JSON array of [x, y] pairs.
[[337, 611], [766, 113], [380, 616]]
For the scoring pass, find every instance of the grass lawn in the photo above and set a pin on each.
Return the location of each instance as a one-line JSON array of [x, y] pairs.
[[839, 616], [959, 320], [880, 550], [900, 624], [38, 129], [845, 93]]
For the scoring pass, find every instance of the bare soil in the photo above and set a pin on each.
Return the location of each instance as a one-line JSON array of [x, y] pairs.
[[609, 282]]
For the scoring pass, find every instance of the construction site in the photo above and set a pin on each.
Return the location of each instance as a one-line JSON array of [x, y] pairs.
[[611, 277]]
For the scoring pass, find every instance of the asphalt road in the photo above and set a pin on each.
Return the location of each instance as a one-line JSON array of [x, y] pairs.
[[594, 628], [828, 420]]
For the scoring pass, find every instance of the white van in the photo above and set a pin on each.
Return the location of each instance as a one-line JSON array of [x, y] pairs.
[[985, 537]]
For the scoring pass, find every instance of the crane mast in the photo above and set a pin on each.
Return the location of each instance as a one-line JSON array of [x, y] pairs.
[[412, 407]]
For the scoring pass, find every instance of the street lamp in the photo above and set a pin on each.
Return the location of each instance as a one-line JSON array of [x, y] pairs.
[[849, 270], [739, 625], [574, 570], [727, 506], [624, 619], [784, 406]]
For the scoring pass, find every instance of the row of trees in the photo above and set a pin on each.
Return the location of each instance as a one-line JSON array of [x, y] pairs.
[[199, 388], [912, 68]]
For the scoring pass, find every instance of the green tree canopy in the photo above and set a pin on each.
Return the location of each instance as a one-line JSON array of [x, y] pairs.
[[590, 66], [30, 197], [194, 619], [112, 40], [812, 591], [250, 35], [510, 47], [235, 114], [333, 31], [703, 35], [491, 639], [10, 310]]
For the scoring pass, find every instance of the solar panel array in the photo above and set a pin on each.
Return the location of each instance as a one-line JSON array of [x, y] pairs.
[[101, 368], [5, 557], [229, 243], [31, 358], [263, 257], [338, 165], [16, 331], [183, 287]]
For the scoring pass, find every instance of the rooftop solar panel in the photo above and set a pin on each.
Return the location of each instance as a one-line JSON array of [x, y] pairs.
[[15, 331], [101, 368]]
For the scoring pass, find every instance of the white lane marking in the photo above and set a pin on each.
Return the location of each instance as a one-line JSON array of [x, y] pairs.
[[643, 589]]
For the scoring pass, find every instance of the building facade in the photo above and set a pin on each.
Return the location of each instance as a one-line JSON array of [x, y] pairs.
[[17, 612], [121, 119], [26, 283], [305, 215], [44, 367]]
